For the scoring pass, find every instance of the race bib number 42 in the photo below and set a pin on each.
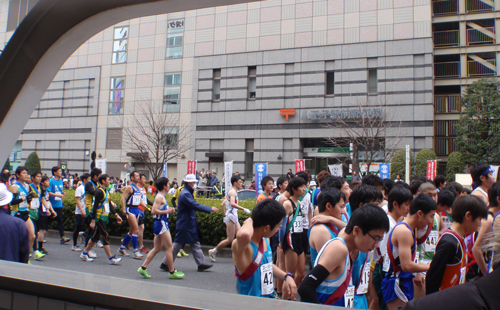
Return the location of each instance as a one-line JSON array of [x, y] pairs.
[[266, 279], [365, 276]]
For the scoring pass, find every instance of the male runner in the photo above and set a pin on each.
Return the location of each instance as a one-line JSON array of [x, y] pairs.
[[330, 281], [100, 219], [445, 201], [90, 188], [80, 211], [482, 177], [44, 212], [397, 286], [36, 191], [252, 256], [267, 184], [449, 264], [142, 187], [161, 231], [56, 194]]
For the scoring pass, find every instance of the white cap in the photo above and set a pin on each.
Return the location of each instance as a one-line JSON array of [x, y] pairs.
[[5, 195], [312, 183], [190, 178]]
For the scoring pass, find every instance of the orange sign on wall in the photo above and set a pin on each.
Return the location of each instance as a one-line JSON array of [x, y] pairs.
[[287, 112]]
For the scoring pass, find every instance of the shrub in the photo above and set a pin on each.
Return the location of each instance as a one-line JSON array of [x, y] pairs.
[[455, 164], [421, 161], [33, 163], [398, 164], [210, 225]]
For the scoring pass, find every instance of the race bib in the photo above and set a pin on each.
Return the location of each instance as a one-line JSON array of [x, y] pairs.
[[462, 275], [297, 226], [35, 204], [106, 208], [136, 199], [365, 277], [57, 198], [349, 297], [57, 191], [266, 279], [387, 263], [431, 242]]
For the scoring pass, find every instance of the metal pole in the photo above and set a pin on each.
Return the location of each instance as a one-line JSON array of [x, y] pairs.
[[407, 174]]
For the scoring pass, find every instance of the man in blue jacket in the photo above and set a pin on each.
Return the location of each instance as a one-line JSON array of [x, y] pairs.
[[186, 226]]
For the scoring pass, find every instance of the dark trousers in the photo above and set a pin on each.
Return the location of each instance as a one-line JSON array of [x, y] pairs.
[[79, 226], [60, 221]]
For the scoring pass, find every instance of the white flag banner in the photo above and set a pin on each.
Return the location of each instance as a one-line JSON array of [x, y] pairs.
[[228, 173], [102, 164], [495, 171], [336, 170]]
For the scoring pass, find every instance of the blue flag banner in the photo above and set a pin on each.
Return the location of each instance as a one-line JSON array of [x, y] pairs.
[[164, 170], [260, 173], [384, 171]]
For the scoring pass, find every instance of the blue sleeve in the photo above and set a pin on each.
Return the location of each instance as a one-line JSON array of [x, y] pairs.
[[50, 189], [195, 205]]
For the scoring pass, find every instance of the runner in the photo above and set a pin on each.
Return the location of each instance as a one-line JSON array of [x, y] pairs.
[[307, 212], [43, 213], [252, 256], [80, 211], [35, 190], [151, 189], [131, 199], [90, 188], [21, 202], [282, 184], [445, 201], [144, 195], [231, 218], [482, 177], [330, 281], [267, 184], [449, 265], [56, 194], [161, 231], [100, 219], [399, 201], [397, 286]]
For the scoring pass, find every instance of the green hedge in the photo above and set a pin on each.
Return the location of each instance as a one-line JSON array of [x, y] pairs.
[[211, 226]]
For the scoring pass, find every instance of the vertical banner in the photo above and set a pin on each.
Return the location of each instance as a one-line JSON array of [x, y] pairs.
[[260, 173], [431, 170], [384, 171], [191, 167], [407, 165], [102, 164], [336, 170], [300, 165], [164, 172], [228, 173], [495, 171]]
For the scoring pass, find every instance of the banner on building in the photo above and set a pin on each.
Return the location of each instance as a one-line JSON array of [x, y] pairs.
[[374, 167], [191, 167], [260, 173], [336, 170], [431, 170], [384, 171], [495, 171], [164, 171], [228, 173], [101, 164], [300, 165]]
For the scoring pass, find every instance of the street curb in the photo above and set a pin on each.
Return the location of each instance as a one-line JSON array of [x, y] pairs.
[[113, 240]]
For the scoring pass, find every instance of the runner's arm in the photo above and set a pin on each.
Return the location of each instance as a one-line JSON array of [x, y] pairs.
[[477, 248], [290, 283], [320, 218], [89, 188], [405, 242], [243, 237], [123, 203], [159, 201], [79, 204], [445, 251], [232, 200], [99, 195], [308, 286]]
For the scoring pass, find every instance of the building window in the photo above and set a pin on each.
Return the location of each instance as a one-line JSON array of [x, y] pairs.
[[175, 35], [372, 81], [249, 150], [252, 82], [116, 95], [114, 139], [172, 92], [120, 45], [170, 137], [330, 82], [216, 89]]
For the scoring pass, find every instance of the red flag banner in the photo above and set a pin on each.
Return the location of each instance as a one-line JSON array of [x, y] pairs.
[[300, 165], [431, 170], [191, 167]]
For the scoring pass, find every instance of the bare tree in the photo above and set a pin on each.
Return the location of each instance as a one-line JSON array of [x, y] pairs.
[[155, 137], [366, 129]]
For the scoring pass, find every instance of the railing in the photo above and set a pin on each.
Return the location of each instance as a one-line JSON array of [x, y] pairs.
[[446, 38], [478, 5], [447, 69], [475, 36], [447, 103], [475, 68], [445, 7]]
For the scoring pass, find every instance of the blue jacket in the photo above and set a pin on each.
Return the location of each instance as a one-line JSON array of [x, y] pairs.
[[14, 241], [186, 226]]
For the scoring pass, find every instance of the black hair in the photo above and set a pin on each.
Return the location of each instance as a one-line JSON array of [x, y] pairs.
[[280, 181], [387, 185], [103, 177], [35, 173], [439, 180], [303, 175], [469, 203], [84, 176], [372, 179], [268, 212], [451, 189], [467, 191], [400, 195], [161, 183], [330, 195], [421, 178], [142, 175], [20, 169], [364, 194], [235, 178], [54, 169], [132, 174], [44, 178], [493, 195], [446, 198], [477, 171], [150, 183], [422, 203], [332, 181], [95, 172], [264, 181], [368, 218], [414, 186], [457, 186], [295, 183]]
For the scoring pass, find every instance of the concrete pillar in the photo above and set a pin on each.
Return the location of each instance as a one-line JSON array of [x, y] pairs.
[[462, 33], [463, 65], [462, 7]]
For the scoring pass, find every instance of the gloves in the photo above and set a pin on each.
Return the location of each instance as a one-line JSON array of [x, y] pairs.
[[29, 198], [246, 211]]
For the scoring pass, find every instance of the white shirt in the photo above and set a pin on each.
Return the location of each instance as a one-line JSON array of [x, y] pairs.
[[80, 192], [383, 244], [172, 191], [305, 206]]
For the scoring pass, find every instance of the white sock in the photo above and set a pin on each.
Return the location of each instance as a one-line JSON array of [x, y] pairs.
[[214, 250]]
